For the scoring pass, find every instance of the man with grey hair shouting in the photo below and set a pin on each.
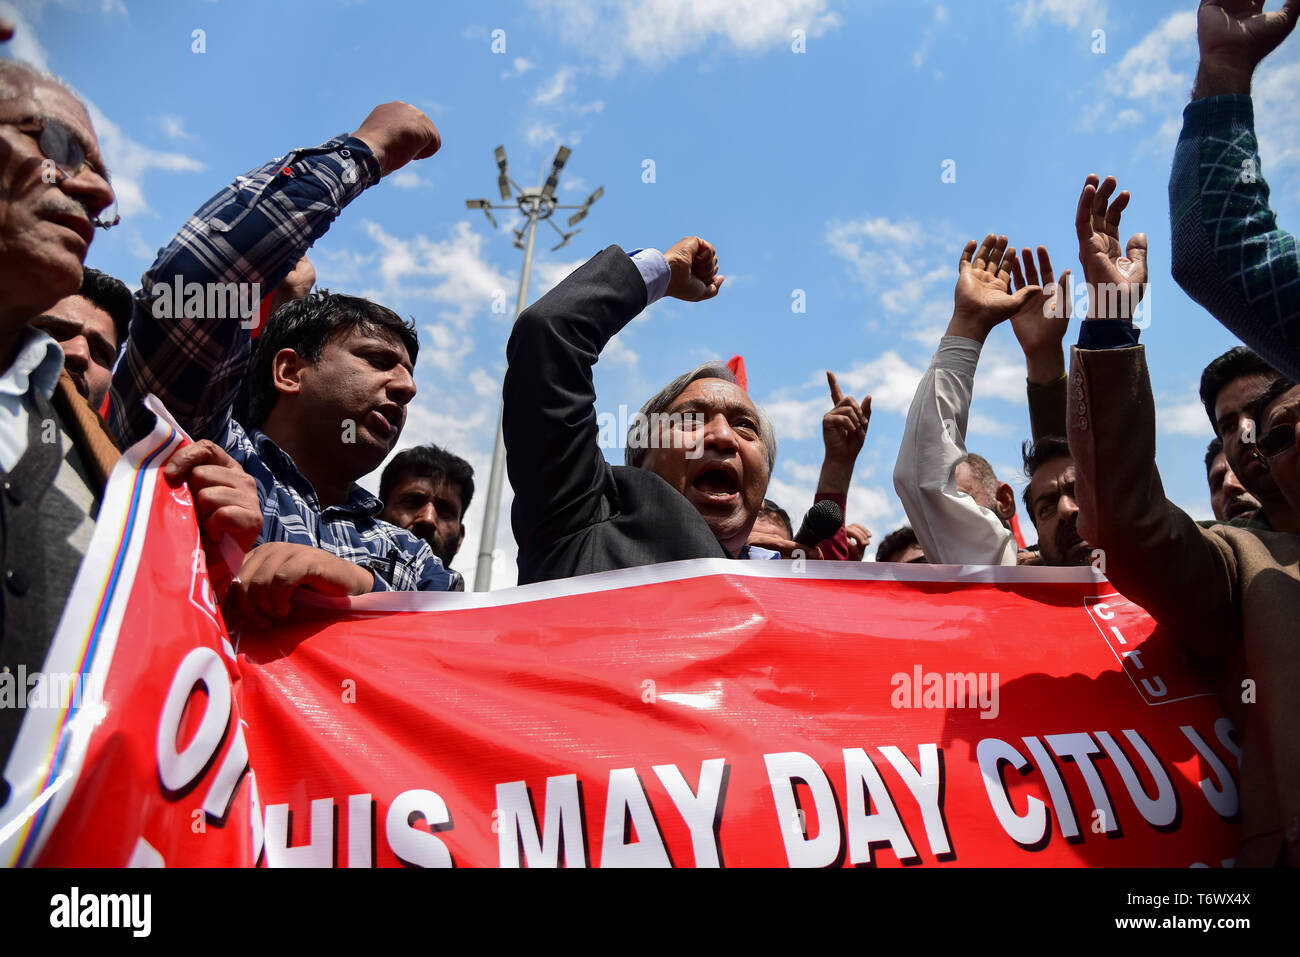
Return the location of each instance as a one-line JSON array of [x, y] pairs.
[[699, 454]]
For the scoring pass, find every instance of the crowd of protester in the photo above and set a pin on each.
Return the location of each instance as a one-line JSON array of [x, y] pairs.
[[289, 415]]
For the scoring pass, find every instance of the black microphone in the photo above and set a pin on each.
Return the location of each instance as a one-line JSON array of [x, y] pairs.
[[822, 521]]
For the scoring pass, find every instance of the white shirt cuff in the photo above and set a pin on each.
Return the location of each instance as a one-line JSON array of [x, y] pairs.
[[654, 270]]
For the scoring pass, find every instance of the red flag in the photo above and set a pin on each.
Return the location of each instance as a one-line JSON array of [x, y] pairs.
[[737, 365]]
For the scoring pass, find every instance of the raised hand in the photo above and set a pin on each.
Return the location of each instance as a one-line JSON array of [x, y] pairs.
[[398, 133], [844, 427], [1041, 324], [983, 296], [1115, 283], [693, 270], [1234, 35]]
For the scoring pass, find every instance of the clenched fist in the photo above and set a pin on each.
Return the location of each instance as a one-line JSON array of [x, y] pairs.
[[398, 133], [693, 270]]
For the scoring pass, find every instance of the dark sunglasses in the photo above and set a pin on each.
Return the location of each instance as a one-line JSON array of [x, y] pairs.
[[1276, 441], [60, 146]]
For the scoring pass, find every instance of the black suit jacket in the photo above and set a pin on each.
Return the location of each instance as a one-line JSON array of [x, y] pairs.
[[574, 513]]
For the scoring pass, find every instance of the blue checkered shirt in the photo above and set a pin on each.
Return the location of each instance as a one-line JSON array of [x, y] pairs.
[[254, 231]]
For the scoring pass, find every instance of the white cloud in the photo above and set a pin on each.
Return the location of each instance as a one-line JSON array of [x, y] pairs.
[[407, 179], [617, 352], [129, 161], [927, 37], [1183, 418], [797, 418], [174, 127], [549, 274], [463, 282], [556, 88], [657, 31], [1068, 12], [980, 424], [889, 379], [1146, 71], [909, 266], [1277, 121], [483, 384], [540, 133], [519, 67], [1125, 118]]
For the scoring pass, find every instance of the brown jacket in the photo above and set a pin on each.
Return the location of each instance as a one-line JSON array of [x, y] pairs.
[[1231, 595]]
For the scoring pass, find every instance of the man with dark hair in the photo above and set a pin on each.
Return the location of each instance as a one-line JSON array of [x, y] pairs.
[[90, 326], [1229, 500], [332, 376], [1230, 385], [1051, 502], [427, 490], [901, 546], [699, 453]]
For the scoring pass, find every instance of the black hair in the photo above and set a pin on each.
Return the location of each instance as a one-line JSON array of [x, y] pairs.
[[1233, 364], [431, 462], [777, 512], [1214, 450], [306, 325], [1035, 454], [895, 543], [111, 295]]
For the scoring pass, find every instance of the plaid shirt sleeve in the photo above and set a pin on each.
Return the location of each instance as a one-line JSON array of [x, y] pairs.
[[1229, 254], [189, 339]]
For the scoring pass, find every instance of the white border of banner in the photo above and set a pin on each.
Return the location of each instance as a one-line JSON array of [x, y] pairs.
[[33, 749], [704, 567]]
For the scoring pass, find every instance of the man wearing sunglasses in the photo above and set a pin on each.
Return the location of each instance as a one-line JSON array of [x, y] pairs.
[[54, 451], [1277, 412], [1229, 595]]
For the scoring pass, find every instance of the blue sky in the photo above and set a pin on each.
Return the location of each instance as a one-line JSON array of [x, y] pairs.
[[817, 171]]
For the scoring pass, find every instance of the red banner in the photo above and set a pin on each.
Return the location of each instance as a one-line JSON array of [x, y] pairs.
[[699, 713]]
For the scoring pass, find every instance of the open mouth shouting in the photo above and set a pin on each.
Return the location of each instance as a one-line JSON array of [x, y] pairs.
[[715, 484]]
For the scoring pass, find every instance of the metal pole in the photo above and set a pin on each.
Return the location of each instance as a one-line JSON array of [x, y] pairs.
[[487, 544]]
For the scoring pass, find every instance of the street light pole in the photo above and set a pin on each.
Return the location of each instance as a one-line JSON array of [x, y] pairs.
[[537, 204]]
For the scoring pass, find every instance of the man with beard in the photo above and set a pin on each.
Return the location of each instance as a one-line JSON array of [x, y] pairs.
[[1051, 502], [699, 453], [1229, 500], [427, 490]]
